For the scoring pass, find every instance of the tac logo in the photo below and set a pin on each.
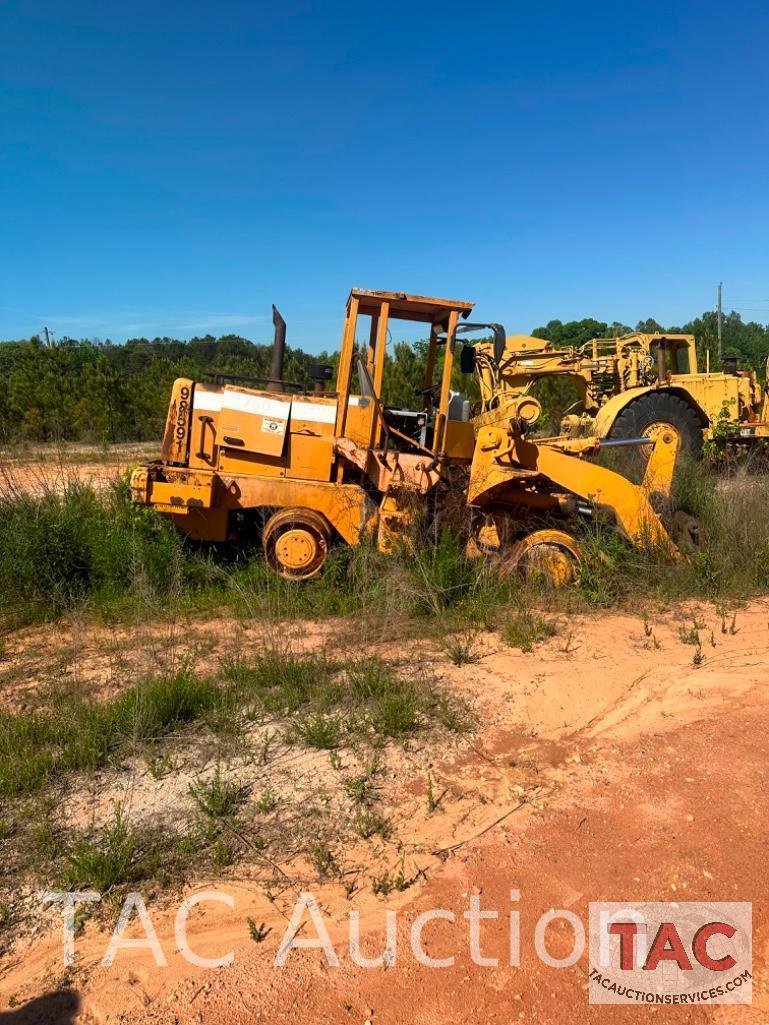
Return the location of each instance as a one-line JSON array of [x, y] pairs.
[[671, 953]]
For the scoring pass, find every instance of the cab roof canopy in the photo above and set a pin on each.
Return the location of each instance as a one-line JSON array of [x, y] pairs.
[[408, 307]]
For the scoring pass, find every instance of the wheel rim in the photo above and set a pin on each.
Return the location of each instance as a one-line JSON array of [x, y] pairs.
[[296, 549], [657, 427], [295, 546]]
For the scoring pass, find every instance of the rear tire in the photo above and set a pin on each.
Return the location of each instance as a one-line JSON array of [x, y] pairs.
[[296, 543], [660, 409]]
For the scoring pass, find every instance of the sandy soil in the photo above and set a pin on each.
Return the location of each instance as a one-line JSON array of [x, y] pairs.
[[607, 765], [38, 468]]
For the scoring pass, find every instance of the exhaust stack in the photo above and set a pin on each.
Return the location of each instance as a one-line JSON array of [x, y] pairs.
[[278, 352]]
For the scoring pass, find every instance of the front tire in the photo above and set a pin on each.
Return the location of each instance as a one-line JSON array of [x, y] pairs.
[[656, 410], [552, 557]]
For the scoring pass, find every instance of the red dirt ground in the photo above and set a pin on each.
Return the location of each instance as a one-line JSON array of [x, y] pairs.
[[653, 787]]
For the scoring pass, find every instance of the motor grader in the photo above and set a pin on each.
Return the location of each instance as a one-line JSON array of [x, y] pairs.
[[309, 466], [631, 386]]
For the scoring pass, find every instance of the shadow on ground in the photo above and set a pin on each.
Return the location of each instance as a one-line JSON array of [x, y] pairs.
[[58, 1008]]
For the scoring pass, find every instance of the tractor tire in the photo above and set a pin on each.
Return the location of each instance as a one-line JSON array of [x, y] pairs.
[[552, 557], [296, 543], [660, 409]]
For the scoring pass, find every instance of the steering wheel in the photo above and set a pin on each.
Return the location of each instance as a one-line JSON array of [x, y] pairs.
[[428, 390]]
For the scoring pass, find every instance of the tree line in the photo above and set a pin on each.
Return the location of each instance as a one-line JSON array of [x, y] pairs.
[[102, 392]]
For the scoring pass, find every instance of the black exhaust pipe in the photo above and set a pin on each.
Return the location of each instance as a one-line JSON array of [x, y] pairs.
[[278, 352]]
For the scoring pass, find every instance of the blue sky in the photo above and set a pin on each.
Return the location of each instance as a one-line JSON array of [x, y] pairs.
[[174, 168]]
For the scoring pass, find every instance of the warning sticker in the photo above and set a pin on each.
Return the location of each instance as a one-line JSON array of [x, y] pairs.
[[273, 426]]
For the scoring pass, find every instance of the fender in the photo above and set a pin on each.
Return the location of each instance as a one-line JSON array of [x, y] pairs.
[[608, 413]]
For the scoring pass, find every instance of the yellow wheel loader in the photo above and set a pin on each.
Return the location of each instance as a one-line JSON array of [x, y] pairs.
[[312, 466], [630, 387]]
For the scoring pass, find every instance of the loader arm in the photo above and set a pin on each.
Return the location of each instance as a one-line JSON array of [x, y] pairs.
[[560, 461], [630, 503]]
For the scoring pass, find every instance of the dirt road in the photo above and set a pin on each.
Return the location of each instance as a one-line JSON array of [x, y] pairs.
[[644, 779]]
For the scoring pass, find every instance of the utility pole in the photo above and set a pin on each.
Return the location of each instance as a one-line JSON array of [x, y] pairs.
[[720, 319], [47, 339]]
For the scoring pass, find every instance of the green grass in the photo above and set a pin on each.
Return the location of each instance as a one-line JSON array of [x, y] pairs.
[[325, 732], [398, 713], [732, 562], [266, 802], [327, 703], [6, 916], [390, 882], [76, 547], [219, 798], [79, 735], [105, 859], [258, 933], [460, 648], [341, 699], [119, 855], [282, 682], [154, 708], [524, 629], [96, 551], [323, 859], [452, 714], [371, 679], [370, 824], [397, 705], [79, 549], [361, 789], [26, 752]]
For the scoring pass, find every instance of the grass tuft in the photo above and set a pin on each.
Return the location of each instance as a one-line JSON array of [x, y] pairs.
[[218, 798], [370, 824], [460, 649], [525, 629], [361, 789], [105, 859], [324, 732]]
